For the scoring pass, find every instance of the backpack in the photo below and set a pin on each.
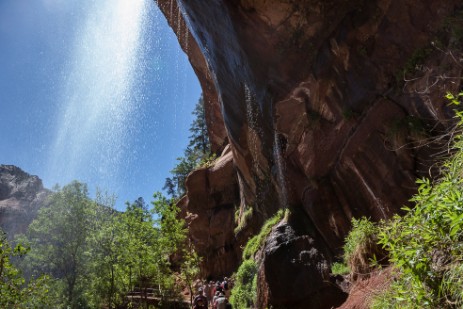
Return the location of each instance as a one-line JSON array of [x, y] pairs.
[[221, 302], [200, 302]]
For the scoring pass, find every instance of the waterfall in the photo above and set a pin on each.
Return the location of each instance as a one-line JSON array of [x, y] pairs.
[[97, 101], [279, 164]]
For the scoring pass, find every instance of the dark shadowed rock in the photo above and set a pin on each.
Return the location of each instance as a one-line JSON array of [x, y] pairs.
[[209, 209], [21, 195], [331, 108], [303, 280]]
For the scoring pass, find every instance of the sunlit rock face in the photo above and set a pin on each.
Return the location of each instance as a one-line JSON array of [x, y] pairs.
[[21, 195], [331, 108]]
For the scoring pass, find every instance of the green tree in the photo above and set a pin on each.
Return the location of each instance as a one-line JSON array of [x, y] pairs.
[[139, 239], [59, 242], [172, 236], [199, 138], [15, 292], [189, 269], [197, 152], [109, 280]]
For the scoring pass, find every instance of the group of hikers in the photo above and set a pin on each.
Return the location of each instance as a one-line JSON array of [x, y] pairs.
[[212, 295]]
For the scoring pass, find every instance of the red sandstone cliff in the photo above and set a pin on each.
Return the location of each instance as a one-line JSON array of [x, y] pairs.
[[330, 108]]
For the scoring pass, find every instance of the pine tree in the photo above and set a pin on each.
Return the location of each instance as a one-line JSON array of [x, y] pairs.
[[197, 151]]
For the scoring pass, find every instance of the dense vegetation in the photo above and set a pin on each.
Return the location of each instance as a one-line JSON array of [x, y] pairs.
[[14, 291], [425, 246], [88, 255]]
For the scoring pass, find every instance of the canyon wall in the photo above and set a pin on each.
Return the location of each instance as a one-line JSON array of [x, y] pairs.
[[21, 196], [331, 109]]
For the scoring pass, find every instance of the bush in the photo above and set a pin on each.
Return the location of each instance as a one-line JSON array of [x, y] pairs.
[[257, 241], [244, 220], [340, 269], [426, 245], [361, 249], [244, 291]]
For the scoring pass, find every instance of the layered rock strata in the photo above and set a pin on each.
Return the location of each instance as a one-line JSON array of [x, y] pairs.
[[330, 108]]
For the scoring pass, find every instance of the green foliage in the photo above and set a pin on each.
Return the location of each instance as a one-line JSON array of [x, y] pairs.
[[426, 245], [256, 242], [58, 239], [244, 292], [14, 291], [208, 160], [362, 230], [190, 269], [244, 219], [454, 26], [199, 139], [348, 114], [339, 269], [361, 251], [97, 255]]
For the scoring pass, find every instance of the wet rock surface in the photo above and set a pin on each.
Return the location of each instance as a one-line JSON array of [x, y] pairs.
[[330, 108], [303, 280]]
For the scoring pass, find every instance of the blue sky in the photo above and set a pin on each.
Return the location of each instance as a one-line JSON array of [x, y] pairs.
[[97, 91]]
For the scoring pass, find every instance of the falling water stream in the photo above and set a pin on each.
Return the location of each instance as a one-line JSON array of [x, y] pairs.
[[97, 100], [102, 102]]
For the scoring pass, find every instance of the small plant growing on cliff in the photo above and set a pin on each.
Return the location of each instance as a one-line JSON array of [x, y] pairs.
[[361, 247], [244, 219], [244, 292], [425, 246], [349, 113], [416, 60], [207, 161], [339, 269], [256, 242]]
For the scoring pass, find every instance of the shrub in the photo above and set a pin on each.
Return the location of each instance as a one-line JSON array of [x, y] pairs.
[[244, 219], [339, 269], [257, 241], [361, 249], [244, 291], [426, 245]]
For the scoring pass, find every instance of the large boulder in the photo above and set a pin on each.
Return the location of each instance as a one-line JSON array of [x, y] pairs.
[[306, 268]]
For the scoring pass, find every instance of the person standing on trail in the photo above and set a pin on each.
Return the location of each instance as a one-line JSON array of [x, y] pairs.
[[214, 304], [211, 294], [218, 286], [221, 301], [207, 291], [200, 301], [226, 287]]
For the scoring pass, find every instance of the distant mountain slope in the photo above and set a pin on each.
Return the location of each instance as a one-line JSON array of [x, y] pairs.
[[21, 195]]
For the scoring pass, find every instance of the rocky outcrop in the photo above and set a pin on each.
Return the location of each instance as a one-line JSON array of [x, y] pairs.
[[331, 108], [21, 195], [306, 268], [209, 209]]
